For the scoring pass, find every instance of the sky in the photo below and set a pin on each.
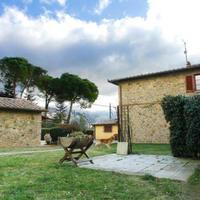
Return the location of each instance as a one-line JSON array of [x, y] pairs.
[[101, 39]]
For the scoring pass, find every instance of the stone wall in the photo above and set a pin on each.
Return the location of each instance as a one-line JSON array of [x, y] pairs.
[[19, 128], [143, 97]]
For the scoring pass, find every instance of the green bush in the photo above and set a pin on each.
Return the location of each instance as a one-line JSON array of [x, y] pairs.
[[192, 116], [78, 134], [58, 132], [89, 132], [70, 127], [173, 108]]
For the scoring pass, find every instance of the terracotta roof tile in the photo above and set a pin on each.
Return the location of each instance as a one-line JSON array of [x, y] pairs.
[[18, 104], [105, 122]]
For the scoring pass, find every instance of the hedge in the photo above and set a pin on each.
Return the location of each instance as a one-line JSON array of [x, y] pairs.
[[173, 108], [58, 132], [192, 116], [61, 131], [183, 115]]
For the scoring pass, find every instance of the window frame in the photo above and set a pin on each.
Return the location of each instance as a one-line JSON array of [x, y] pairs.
[[195, 83], [107, 128]]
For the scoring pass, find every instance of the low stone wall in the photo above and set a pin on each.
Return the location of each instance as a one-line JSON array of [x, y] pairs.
[[19, 128]]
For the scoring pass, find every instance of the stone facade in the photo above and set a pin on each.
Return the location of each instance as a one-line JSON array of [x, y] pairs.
[[143, 96], [20, 128]]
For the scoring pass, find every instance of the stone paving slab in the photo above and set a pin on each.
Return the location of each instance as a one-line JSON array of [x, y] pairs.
[[156, 165]]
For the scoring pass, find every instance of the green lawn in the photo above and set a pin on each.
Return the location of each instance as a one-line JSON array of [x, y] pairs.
[[18, 149], [157, 149], [39, 176]]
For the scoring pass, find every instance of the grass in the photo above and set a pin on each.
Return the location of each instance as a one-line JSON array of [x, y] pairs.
[[156, 149], [150, 149], [39, 176], [195, 178], [18, 149]]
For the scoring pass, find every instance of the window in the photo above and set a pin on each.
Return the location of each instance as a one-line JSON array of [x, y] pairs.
[[108, 128], [197, 82], [189, 83], [193, 83]]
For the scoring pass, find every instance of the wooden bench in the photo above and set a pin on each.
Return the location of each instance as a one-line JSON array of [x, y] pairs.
[[75, 148]]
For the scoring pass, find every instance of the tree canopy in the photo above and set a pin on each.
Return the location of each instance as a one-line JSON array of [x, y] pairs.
[[48, 86], [17, 75], [76, 90]]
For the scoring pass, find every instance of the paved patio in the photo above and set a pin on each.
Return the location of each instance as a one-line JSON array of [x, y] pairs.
[[158, 166]]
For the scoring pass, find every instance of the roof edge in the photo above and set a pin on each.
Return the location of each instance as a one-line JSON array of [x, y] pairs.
[[154, 74], [104, 123], [23, 109]]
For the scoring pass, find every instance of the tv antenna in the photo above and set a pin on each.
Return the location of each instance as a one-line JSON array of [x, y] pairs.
[[188, 64]]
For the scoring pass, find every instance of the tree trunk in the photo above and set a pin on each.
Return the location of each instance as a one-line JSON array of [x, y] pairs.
[[47, 102], [69, 113], [46, 106], [23, 89], [14, 89]]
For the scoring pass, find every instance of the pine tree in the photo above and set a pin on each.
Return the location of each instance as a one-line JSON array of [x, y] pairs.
[[61, 111]]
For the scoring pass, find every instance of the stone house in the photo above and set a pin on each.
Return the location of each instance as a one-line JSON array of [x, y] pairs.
[[105, 129], [20, 123], [141, 96]]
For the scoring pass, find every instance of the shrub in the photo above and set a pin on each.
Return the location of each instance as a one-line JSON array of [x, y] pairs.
[[89, 132], [77, 134], [70, 127], [173, 108], [58, 132], [192, 116]]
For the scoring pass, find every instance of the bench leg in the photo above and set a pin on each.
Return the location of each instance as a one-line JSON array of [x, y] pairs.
[[66, 156], [88, 157]]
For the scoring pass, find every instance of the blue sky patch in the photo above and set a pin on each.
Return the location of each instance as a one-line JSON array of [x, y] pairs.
[[82, 9]]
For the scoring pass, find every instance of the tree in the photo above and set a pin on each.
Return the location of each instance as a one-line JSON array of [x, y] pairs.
[[13, 71], [61, 110], [18, 74], [34, 73], [76, 90], [48, 85], [8, 89]]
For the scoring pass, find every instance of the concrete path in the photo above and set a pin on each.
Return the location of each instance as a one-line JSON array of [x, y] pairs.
[[13, 153], [158, 166]]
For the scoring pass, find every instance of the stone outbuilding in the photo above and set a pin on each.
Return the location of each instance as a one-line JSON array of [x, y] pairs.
[[20, 123], [140, 97]]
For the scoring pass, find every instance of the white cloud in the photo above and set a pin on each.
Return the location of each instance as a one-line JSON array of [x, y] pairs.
[[102, 5], [61, 2], [108, 49]]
